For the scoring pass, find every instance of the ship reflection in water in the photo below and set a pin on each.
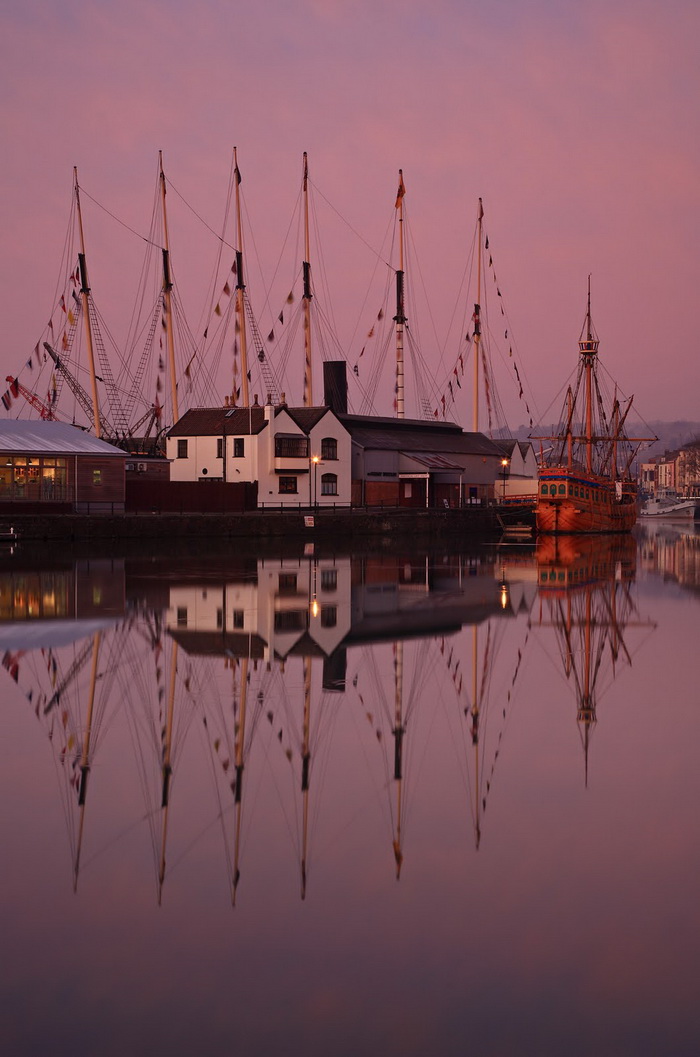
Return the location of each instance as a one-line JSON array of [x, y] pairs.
[[304, 730]]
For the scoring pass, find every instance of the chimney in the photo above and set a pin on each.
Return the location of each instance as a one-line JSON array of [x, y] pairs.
[[269, 413], [335, 386]]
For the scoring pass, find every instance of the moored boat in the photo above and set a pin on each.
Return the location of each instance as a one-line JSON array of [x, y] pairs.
[[671, 507], [586, 484]]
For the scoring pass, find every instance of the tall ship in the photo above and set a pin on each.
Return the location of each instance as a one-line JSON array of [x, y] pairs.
[[584, 482]]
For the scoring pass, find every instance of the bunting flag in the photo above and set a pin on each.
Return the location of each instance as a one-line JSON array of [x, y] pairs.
[[6, 400], [380, 314], [62, 303], [217, 310], [71, 317], [271, 335], [49, 326], [371, 333], [75, 298], [14, 387], [356, 370], [281, 317], [486, 243], [37, 353], [290, 297], [234, 267], [64, 342], [227, 289]]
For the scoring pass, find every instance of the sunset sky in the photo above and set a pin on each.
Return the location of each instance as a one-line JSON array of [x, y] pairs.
[[576, 123]]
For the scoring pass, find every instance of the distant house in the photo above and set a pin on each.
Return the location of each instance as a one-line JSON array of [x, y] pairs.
[[518, 481], [298, 456], [55, 467]]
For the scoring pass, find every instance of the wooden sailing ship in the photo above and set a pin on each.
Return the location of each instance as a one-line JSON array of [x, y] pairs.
[[585, 485]]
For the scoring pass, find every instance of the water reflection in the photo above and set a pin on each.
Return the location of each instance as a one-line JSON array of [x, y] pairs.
[[262, 654], [292, 734], [585, 597]]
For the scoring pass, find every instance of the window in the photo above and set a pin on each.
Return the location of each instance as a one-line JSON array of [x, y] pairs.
[[407, 490], [545, 490], [329, 579], [291, 447], [287, 583], [562, 489], [329, 616], [237, 616], [97, 478], [219, 447], [288, 485], [182, 616], [329, 484], [329, 448], [238, 447], [291, 620], [219, 619], [182, 449]]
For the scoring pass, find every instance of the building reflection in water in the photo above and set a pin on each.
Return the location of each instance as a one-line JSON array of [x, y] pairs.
[[261, 654]]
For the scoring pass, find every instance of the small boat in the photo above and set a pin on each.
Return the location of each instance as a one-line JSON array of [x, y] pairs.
[[585, 484], [670, 506]]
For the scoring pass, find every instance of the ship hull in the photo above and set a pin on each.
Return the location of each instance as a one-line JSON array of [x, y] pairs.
[[572, 502]]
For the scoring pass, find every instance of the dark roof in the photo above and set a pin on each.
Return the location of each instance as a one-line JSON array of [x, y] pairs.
[[394, 434], [239, 421]]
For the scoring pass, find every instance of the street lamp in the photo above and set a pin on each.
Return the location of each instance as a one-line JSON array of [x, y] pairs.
[[504, 464], [315, 460]]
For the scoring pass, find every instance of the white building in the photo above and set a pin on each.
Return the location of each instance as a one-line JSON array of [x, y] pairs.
[[299, 456]]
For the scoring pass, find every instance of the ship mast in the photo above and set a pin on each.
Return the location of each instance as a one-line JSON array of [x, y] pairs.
[[85, 295], [167, 298], [238, 791], [589, 349], [85, 755], [240, 287], [477, 319], [308, 376], [398, 732], [400, 317]]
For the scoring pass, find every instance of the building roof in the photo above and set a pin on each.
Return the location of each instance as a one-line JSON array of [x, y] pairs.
[[38, 437], [394, 434], [240, 421], [509, 444]]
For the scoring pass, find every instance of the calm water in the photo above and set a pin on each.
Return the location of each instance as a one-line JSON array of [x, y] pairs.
[[405, 804]]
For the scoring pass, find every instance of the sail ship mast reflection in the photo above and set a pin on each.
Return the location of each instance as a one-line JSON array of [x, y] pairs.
[[585, 596]]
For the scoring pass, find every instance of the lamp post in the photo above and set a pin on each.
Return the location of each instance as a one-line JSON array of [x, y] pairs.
[[504, 464], [315, 460]]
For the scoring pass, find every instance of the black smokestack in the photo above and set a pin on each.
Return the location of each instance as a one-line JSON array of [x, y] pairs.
[[335, 386]]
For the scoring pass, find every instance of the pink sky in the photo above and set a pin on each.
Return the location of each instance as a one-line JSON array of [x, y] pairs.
[[576, 124]]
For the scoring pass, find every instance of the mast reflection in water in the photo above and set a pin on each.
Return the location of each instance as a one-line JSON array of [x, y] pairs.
[[323, 726]]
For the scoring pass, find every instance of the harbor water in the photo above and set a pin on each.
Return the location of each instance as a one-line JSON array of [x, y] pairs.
[[305, 802]]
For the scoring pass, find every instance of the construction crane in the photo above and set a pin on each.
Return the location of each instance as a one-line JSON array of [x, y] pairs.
[[45, 412], [79, 393]]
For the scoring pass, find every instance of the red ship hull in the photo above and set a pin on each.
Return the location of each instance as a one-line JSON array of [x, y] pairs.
[[569, 501]]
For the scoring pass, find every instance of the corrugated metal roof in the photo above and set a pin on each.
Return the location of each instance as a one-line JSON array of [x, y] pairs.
[[426, 439], [52, 438], [432, 460]]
